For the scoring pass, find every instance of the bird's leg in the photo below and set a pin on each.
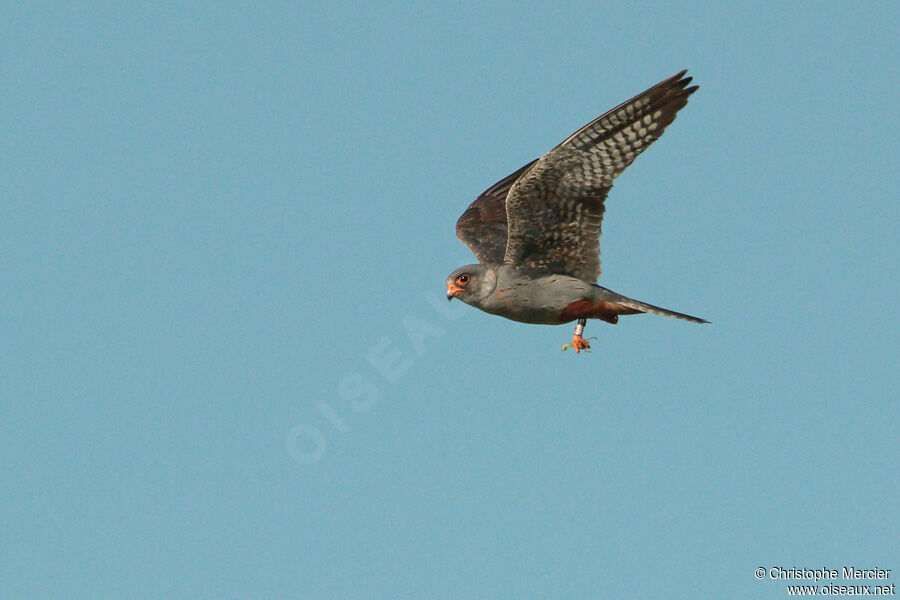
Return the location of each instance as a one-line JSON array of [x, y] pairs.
[[578, 342]]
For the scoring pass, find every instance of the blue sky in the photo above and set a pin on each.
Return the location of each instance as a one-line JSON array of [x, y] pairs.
[[228, 370]]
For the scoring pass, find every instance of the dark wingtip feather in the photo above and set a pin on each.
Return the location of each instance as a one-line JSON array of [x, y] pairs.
[[683, 83]]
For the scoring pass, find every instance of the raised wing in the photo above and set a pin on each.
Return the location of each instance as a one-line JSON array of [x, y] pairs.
[[554, 210], [482, 227]]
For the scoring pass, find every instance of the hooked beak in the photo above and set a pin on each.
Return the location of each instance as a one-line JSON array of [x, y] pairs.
[[452, 291]]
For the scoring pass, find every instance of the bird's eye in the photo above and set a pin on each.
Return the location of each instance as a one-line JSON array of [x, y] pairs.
[[462, 279]]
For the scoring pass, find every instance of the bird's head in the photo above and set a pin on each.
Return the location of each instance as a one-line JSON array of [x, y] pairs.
[[471, 283]]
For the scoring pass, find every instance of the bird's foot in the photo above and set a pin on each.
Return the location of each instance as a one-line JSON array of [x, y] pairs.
[[579, 343]]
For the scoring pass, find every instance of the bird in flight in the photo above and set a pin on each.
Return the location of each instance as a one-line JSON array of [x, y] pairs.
[[536, 232]]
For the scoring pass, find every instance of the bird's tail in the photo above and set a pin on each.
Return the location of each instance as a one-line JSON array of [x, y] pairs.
[[656, 310], [637, 306]]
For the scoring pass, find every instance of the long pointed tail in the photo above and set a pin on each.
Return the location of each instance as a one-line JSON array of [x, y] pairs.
[[642, 307], [657, 310]]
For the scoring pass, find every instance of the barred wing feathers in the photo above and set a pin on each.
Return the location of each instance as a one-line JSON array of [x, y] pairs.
[[554, 209]]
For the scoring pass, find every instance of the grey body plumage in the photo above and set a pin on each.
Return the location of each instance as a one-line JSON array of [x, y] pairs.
[[540, 299], [502, 290]]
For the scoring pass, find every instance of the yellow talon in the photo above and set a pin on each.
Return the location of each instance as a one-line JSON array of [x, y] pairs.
[[571, 345]]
